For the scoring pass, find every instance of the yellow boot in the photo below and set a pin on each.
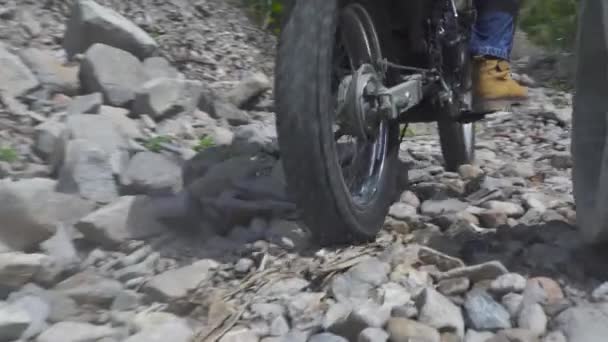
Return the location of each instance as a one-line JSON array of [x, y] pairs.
[[493, 87]]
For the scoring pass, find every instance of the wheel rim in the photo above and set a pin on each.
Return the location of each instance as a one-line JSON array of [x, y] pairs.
[[362, 160]]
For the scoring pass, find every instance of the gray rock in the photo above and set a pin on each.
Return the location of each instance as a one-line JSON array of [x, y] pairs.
[[115, 73], [561, 160], [255, 137], [159, 67], [239, 334], [223, 110], [523, 335], [249, 88], [61, 249], [478, 336], [454, 286], [90, 288], [145, 319], [126, 300], [51, 72], [76, 332], [284, 287], [279, 326], [16, 79], [87, 171], [174, 331], [125, 126], [176, 283], [98, 130], [345, 289], [371, 271], [30, 211], [533, 318], [373, 335], [343, 321], [442, 261], [61, 306], [394, 295], [153, 174], [164, 97], [47, 140], [600, 293], [85, 104], [305, 309], [493, 219], [267, 311], [14, 321], [585, 323], [512, 302], [143, 269], [510, 282], [439, 312], [439, 207], [38, 312], [555, 336], [509, 209], [486, 271], [91, 23], [518, 169], [243, 265], [18, 268], [484, 313], [402, 211], [326, 337], [534, 201], [128, 218], [405, 330], [469, 172]]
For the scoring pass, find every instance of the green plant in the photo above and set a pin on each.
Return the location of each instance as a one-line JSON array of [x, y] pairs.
[[8, 154], [267, 13], [155, 144], [551, 23], [204, 143]]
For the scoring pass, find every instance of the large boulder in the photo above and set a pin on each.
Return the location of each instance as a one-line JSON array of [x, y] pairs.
[[30, 211], [15, 79], [91, 23], [115, 73]]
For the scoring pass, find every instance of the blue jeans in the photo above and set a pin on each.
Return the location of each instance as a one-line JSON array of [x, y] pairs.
[[495, 27]]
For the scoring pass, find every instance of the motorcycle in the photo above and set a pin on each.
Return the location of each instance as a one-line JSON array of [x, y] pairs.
[[350, 76]]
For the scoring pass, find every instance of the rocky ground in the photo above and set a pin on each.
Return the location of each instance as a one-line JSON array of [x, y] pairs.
[[142, 199]]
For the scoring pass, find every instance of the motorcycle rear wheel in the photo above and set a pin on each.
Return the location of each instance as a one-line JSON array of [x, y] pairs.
[[343, 188]]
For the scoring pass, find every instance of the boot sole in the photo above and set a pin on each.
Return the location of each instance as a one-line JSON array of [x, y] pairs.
[[490, 106]]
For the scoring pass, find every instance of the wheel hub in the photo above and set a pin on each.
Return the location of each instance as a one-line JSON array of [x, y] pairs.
[[358, 103]]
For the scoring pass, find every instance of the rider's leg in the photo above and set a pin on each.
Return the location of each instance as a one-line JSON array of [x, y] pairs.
[[491, 45]]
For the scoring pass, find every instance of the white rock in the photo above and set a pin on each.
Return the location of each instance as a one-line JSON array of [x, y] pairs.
[[510, 282], [38, 311], [174, 332]]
